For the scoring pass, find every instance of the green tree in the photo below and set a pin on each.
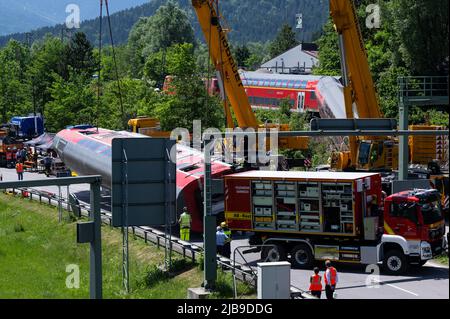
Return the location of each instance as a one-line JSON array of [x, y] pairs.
[[284, 41], [329, 58], [138, 98], [73, 102], [242, 54], [14, 87], [421, 28], [191, 100], [47, 58], [79, 56], [168, 26]]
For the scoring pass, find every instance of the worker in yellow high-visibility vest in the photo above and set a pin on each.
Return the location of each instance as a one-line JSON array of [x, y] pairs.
[[227, 246], [185, 225]]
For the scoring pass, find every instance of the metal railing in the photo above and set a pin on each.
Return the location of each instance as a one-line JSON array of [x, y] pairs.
[[434, 88], [148, 234]]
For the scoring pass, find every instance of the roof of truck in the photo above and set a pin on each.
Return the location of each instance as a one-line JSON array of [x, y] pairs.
[[328, 176]]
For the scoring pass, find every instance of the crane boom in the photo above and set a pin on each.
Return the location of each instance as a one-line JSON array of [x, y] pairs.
[[224, 63], [359, 89], [221, 56], [355, 60]]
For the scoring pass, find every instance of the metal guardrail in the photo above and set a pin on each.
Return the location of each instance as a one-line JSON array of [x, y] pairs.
[[150, 235]]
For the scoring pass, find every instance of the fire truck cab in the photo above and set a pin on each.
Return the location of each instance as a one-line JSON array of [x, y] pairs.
[[416, 218]]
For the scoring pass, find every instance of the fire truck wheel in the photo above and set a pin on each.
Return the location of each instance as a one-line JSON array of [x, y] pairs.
[[395, 262], [273, 253], [302, 256]]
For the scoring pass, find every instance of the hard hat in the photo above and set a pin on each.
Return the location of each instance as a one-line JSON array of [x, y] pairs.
[[219, 228], [223, 224]]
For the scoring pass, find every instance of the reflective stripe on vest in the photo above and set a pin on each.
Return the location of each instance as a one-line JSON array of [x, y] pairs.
[[316, 284], [185, 220], [333, 272], [228, 233]]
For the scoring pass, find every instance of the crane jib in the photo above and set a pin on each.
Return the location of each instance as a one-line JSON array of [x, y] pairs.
[[234, 67]]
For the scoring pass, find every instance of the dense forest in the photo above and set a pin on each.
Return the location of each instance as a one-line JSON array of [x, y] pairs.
[[261, 25], [64, 80], [412, 41]]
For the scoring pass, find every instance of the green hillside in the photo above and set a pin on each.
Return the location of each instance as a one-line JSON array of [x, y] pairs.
[[250, 20]]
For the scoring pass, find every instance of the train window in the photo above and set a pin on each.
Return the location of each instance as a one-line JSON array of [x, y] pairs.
[[312, 95], [290, 84], [301, 101], [273, 102], [284, 84], [272, 83]]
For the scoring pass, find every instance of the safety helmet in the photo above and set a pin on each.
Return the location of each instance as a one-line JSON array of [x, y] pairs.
[[218, 228], [223, 224]]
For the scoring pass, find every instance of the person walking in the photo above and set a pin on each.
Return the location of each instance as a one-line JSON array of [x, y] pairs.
[[185, 225], [19, 170], [227, 245], [221, 239], [331, 280], [315, 284], [48, 165]]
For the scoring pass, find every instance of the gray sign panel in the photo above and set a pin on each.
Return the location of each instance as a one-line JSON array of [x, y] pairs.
[[353, 124], [400, 186], [143, 182]]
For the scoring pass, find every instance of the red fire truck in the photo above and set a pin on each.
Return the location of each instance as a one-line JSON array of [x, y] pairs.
[[309, 216]]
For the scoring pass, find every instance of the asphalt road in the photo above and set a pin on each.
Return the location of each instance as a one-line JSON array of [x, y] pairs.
[[428, 282]]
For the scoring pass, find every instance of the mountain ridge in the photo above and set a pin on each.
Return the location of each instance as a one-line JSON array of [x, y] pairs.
[[260, 26]]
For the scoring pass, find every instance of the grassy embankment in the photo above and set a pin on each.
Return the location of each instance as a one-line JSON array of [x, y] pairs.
[[35, 251]]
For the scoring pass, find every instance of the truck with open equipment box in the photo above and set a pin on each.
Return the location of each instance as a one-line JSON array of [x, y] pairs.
[[310, 216]]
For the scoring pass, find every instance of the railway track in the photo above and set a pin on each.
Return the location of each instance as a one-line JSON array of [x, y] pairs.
[[154, 236]]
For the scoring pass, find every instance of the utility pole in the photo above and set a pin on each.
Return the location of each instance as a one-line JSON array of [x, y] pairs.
[[28, 36]]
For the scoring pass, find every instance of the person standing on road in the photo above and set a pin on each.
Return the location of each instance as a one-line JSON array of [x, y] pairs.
[[315, 281], [227, 246], [221, 239], [19, 170], [185, 225], [48, 165], [331, 279]]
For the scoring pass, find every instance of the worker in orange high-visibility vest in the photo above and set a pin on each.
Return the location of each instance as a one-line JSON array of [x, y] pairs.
[[331, 280], [19, 170], [315, 281]]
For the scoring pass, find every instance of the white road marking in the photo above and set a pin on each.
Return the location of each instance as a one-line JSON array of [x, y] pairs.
[[396, 287]]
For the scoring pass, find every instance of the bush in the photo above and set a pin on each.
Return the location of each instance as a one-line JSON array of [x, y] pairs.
[[155, 275], [201, 262], [179, 265], [18, 228]]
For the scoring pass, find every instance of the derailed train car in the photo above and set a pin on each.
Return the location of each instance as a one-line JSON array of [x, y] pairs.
[[88, 152]]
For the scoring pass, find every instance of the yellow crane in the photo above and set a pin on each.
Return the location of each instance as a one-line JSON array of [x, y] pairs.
[[235, 96], [369, 152]]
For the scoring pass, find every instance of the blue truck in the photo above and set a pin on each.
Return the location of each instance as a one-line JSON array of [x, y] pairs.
[[27, 127]]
